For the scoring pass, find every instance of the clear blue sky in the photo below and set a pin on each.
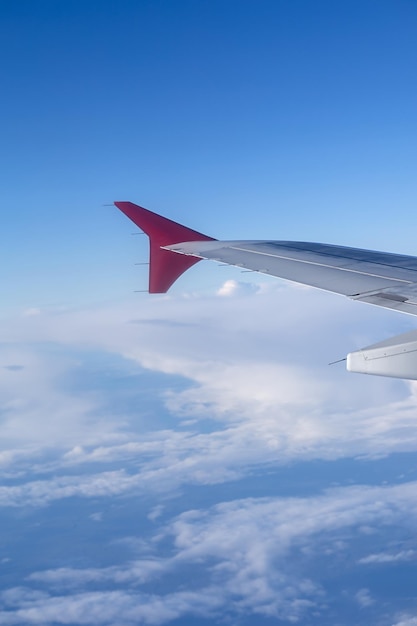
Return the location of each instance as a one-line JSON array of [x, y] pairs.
[[284, 119]]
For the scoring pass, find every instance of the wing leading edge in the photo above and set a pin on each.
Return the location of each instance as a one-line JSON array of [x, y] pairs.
[[379, 278]]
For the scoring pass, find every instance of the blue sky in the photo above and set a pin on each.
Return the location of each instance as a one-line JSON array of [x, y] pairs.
[[286, 119], [192, 458]]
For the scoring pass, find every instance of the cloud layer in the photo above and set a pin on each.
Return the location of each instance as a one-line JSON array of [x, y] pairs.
[[260, 556], [187, 399]]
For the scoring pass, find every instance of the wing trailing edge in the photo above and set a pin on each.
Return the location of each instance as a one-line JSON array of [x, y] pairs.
[[165, 266]]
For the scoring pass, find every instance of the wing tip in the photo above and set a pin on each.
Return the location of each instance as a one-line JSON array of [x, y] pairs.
[[165, 266]]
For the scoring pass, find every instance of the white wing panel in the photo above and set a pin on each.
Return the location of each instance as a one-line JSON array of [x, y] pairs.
[[387, 280]]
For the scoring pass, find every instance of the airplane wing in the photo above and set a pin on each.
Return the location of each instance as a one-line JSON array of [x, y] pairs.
[[387, 280], [379, 278]]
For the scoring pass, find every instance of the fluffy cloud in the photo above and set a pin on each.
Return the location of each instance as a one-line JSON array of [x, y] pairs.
[[38, 409], [256, 556], [236, 385], [407, 621], [387, 557], [256, 388], [111, 607]]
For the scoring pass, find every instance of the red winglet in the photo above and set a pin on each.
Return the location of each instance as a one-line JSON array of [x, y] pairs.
[[165, 266]]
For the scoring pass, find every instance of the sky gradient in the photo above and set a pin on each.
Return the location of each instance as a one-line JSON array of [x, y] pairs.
[[192, 458]]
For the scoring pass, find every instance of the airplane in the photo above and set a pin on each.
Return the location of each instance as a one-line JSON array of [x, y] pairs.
[[380, 278]]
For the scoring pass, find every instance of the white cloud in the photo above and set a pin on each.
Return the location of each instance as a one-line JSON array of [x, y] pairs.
[[228, 288], [387, 557], [257, 557], [256, 368], [140, 571], [156, 512], [406, 621], [233, 287], [111, 607], [37, 406], [364, 598], [31, 312]]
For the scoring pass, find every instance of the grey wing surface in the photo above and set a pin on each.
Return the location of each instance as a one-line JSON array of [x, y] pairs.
[[379, 278]]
